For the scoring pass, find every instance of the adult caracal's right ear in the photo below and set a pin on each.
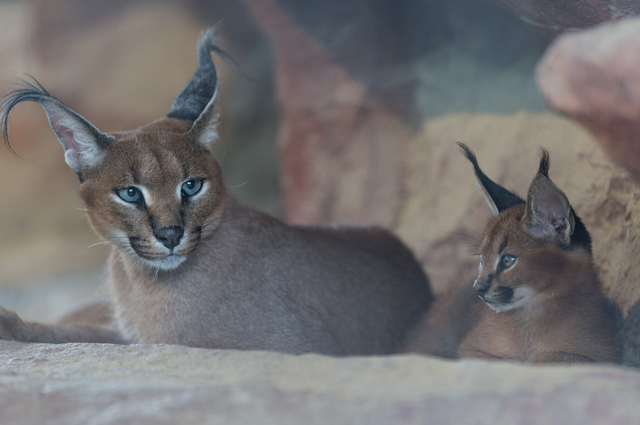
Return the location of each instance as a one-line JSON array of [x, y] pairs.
[[83, 143], [498, 197]]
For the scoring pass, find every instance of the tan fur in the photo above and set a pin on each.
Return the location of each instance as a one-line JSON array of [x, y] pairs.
[[245, 280], [191, 265]]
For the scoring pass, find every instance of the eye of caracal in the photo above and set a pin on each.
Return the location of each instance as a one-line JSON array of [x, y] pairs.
[[129, 194], [191, 187], [507, 261]]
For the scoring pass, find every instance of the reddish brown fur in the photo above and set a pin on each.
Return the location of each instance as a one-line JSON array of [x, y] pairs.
[[567, 320], [539, 300]]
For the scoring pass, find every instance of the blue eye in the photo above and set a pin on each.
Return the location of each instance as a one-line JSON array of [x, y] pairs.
[[130, 194], [507, 261], [191, 187]]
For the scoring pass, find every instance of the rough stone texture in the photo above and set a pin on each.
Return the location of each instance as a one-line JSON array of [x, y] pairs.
[[593, 77], [102, 384]]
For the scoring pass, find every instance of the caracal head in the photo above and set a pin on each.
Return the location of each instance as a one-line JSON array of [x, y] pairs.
[[153, 192], [529, 248]]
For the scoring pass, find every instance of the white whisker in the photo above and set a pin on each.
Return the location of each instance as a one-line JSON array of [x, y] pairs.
[[238, 185]]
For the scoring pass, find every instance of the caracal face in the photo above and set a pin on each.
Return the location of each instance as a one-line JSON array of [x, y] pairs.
[[155, 194]]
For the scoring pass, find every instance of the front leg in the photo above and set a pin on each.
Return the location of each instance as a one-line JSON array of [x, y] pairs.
[[12, 327], [560, 357]]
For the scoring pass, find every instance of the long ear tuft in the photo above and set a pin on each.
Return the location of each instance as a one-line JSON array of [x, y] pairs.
[[82, 141], [196, 102], [544, 163], [203, 85], [548, 214], [498, 197]]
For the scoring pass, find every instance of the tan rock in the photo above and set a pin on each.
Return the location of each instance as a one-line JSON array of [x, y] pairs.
[[102, 384], [593, 77]]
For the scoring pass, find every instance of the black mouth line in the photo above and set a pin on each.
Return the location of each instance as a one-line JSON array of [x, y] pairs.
[[146, 251], [142, 252]]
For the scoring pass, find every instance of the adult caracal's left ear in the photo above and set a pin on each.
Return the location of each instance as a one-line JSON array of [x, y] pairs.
[[548, 213], [83, 143], [197, 100]]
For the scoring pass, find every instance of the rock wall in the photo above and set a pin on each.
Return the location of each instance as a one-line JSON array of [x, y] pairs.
[[348, 155]]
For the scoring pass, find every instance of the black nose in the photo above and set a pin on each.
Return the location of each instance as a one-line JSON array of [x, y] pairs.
[[169, 236], [480, 288]]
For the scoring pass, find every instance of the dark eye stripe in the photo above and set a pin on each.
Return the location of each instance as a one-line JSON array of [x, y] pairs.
[[503, 245]]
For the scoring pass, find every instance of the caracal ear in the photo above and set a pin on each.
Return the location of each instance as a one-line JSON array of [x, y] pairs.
[[197, 100], [548, 213], [83, 143], [498, 197]]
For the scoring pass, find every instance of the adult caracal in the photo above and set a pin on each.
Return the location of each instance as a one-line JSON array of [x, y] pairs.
[[192, 265], [537, 297]]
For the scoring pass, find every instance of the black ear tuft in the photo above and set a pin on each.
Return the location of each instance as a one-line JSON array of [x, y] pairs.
[[544, 163], [499, 198], [203, 86], [25, 91], [83, 143]]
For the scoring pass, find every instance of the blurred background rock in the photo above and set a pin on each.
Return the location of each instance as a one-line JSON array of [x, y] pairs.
[[354, 113]]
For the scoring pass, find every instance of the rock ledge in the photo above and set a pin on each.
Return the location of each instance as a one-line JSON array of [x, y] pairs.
[[105, 384]]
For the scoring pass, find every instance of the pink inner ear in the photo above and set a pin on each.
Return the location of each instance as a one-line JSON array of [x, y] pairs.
[[553, 214], [551, 208], [65, 135]]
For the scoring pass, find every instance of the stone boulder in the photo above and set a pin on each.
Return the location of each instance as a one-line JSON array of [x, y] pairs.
[[592, 76], [103, 384]]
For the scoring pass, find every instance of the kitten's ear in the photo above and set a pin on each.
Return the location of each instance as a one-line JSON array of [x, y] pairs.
[[548, 213], [197, 100], [498, 197], [83, 143]]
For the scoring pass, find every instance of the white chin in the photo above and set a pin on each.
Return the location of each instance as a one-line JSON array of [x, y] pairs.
[[169, 262], [500, 308], [524, 297]]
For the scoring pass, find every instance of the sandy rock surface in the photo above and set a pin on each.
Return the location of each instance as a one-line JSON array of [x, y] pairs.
[[103, 384]]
